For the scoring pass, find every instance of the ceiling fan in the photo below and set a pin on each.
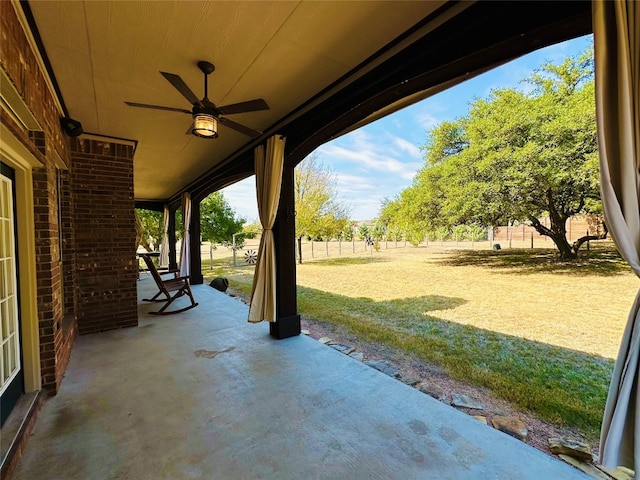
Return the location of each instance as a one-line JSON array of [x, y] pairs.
[[206, 115]]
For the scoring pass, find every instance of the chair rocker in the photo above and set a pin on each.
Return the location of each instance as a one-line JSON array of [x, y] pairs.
[[179, 285]]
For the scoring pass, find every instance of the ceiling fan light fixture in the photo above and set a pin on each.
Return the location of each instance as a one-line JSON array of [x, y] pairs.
[[205, 125]]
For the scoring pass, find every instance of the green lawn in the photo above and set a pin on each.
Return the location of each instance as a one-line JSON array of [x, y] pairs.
[[539, 333]]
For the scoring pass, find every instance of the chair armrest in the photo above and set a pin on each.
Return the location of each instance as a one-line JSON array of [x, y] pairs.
[[169, 272]]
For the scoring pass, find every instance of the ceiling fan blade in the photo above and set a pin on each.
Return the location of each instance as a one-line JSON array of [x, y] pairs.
[[182, 87], [239, 128], [249, 106], [158, 107]]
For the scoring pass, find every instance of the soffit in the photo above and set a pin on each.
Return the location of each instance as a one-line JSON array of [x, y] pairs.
[[105, 53]]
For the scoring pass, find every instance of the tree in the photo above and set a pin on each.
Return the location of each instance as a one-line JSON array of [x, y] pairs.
[[515, 156], [152, 228], [363, 232], [319, 212], [218, 221]]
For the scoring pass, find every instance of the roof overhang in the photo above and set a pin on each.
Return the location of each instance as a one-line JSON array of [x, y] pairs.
[[324, 68]]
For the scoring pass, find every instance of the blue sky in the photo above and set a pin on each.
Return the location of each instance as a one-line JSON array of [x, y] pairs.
[[379, 160]]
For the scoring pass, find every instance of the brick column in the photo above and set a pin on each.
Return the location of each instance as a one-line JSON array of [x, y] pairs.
[[105, 235], [48, 271]]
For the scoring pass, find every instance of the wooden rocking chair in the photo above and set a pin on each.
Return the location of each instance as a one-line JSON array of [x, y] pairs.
[[179, 285]]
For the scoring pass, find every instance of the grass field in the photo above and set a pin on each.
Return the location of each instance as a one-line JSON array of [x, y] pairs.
[[539, 333]]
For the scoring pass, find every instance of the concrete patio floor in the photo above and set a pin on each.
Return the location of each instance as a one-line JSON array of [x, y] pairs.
[[204, 394]]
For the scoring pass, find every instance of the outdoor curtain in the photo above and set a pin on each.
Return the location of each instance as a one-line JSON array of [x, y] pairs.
[[164, 246], [616, 27], [184, 246], [268, 166]]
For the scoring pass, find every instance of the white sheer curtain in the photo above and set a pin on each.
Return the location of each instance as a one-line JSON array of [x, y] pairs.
[[268, 166], [185, 254], [616, 27], [164, 246]]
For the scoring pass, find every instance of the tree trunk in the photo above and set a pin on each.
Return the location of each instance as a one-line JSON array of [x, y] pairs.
[[299, 250], [556, 232], [566, 250]]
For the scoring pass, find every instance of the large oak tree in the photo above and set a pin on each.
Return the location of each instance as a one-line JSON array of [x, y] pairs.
[[516, 156]]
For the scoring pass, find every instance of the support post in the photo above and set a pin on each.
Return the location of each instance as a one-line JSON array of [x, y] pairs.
[[195, 275], [284, 229]]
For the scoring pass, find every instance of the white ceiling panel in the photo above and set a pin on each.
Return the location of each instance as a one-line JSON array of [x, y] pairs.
[[106, 53]]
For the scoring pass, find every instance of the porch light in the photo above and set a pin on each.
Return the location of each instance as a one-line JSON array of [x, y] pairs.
[[205, 125]]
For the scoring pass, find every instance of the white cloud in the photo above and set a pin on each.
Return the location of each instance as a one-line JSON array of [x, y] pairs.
[[371, 154], [242, 197], [426, 119], [354, 183], [406, 146]]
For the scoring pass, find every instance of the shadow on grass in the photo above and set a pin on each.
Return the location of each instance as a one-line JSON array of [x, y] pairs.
[[601, 260], [561, 385], [344, 261]]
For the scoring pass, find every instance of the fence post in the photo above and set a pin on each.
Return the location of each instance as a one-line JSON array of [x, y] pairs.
[[510, 238], [233, 246], [326, 243], [353, 244], [312, 249], [531, 239], [339, 247]]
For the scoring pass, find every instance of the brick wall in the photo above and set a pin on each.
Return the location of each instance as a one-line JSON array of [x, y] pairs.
[[66, 334], [68, 242], [21, 65], [48, 263], [106, 269], [49, 145]]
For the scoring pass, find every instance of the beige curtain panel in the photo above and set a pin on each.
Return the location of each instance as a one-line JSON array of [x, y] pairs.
[[268, 166], [164, 246], [616, 27], [185, 254]]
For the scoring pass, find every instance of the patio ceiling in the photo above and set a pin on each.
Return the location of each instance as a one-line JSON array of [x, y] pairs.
[[105, 53]]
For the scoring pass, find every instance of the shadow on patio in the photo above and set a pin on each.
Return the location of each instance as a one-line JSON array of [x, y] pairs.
[[204, 394]]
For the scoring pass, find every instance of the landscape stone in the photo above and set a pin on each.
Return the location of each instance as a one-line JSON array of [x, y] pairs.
[[409, 380], [359, 356], [462, 400], [435, 391], [573, 448], [620, 473], [384, 366], [585, 467], [305, 332], [511, 426], [480, 418], [346, 349], [324, 340]]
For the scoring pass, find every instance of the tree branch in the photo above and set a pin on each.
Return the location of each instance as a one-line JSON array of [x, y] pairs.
[[578, 243], [540, 228]]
